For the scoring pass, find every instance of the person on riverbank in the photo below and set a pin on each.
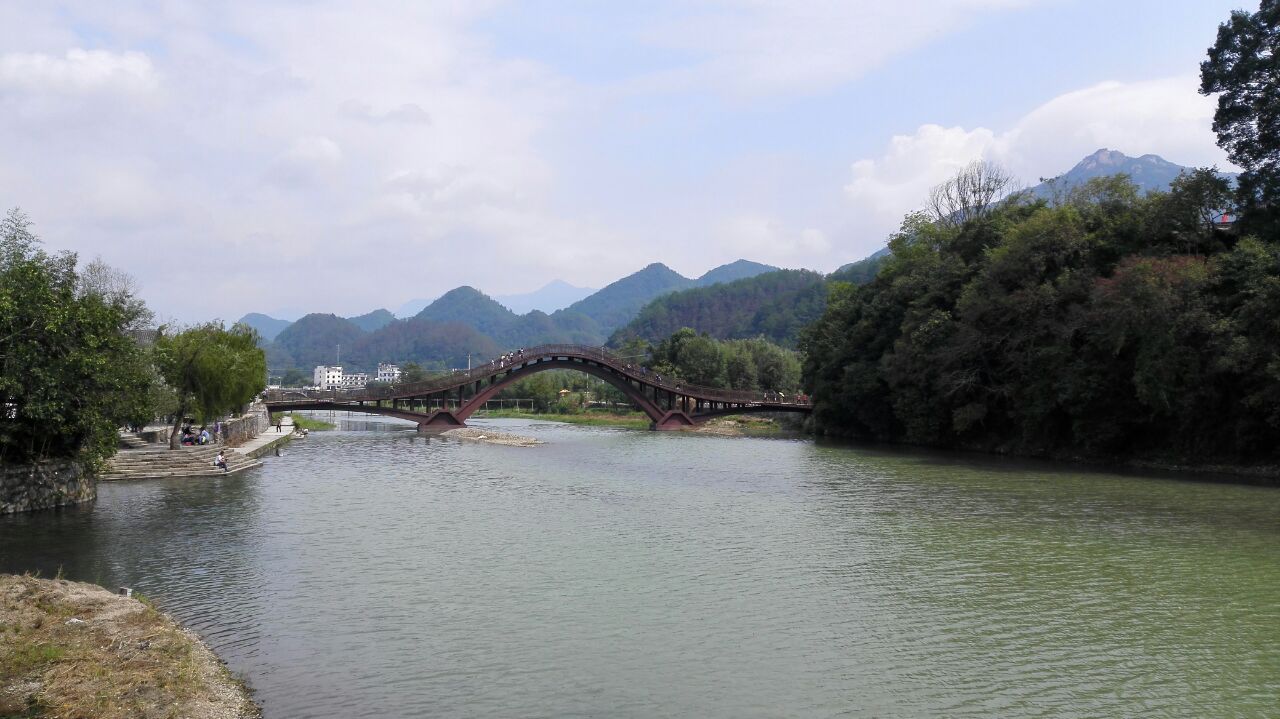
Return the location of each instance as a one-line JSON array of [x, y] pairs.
[[220, 461]]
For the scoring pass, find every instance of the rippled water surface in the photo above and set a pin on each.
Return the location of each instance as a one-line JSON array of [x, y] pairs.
[[613, 573]]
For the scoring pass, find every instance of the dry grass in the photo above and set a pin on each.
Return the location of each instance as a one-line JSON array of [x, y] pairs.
[[121, 658]]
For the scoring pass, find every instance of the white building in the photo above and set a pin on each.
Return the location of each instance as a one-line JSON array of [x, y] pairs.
[[388, 373], [355, 380], [326, 377]]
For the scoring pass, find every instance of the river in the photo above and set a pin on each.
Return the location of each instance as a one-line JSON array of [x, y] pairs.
[[614, 573]]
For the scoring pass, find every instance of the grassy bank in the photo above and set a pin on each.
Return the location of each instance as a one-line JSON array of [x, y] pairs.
[[76, 650], [307, 423]]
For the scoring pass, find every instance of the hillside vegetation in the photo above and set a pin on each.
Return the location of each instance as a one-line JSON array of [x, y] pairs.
[[1111, 324], [775, 305]]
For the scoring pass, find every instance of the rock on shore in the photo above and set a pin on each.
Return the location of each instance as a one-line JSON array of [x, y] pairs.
[[69, 649]]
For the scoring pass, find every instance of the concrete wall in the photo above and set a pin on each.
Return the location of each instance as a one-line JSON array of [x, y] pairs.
[[43, 486]]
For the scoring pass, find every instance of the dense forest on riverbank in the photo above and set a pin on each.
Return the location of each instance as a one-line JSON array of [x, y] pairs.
[[1102, 323], [1095, 321]]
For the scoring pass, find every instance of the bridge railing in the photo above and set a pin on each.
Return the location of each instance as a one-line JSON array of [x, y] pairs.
[[459, 378]]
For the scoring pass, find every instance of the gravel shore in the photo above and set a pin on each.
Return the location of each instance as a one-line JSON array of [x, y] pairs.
[[475, 434]]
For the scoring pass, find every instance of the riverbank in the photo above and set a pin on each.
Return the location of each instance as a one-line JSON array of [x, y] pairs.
[[1266, 475], [69, 649], [631, 420], [732, 426], [301, 421], [269, 439]]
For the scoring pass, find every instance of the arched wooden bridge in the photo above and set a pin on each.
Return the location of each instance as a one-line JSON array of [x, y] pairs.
[[447, 401]]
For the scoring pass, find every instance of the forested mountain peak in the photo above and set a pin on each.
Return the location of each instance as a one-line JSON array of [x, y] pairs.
[[618, 302], [268, 327], [471, 307], [316, 337], [374, 320], [1149, 173], [555, 295], [737, 270]]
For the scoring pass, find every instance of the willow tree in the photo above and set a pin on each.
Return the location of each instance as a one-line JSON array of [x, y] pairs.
[[212, 370]]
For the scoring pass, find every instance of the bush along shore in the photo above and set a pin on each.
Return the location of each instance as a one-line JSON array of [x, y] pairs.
[[69, 649]]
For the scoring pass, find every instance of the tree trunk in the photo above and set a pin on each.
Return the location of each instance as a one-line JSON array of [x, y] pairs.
[[174, 443]]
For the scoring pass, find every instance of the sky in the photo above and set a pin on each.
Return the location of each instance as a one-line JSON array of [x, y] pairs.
[[283, 156]]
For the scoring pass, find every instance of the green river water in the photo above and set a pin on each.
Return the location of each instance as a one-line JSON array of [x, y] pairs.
[[612, 573]]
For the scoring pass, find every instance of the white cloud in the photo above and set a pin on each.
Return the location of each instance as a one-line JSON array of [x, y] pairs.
[[265, 153], [77, 71], [762, 47], [886, 188], [308, 160], [1165, 117], [408, 112], [389, 149], [766, 239]]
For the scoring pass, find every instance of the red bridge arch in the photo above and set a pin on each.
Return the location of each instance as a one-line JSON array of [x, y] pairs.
[[449, 401]]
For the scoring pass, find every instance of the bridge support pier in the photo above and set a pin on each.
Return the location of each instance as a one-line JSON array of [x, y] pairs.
[[673, 419], [440, 420]]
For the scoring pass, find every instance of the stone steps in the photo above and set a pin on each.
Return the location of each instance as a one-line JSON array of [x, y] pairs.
[[163, 462], [130, 441]]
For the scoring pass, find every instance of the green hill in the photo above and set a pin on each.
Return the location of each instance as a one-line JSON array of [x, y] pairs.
[[313, 340], [615, 304], [775, 305], [739, 270], [429, 343], [470, 307], [267, 327], [374, 320]]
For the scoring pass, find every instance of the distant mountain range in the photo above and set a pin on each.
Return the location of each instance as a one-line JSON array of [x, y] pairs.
[[267, 327], [552, 296], [1150, 173], [740, 299], [465, 320]]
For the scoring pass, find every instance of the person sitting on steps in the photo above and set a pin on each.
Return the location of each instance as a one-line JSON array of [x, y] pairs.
[[220, 461]]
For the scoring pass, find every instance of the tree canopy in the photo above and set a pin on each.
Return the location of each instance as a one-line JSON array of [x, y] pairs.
[[1108, 324], [1242, 69], [212, 370], [774, 305], [70, 371], [750, 364]]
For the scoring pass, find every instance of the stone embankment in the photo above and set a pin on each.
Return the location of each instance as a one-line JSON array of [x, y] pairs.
[[45, 486], [138, 459], [77, 650]]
